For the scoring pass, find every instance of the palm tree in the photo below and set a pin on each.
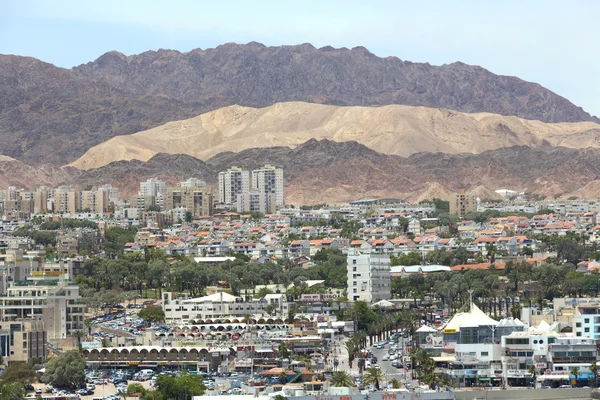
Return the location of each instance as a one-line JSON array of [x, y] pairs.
[[79, 335], [594, 370], [88, 325], [341, 379], [575, 371], [533, 373], [283, 378], [352, 349], [284, 351], [373, 376]]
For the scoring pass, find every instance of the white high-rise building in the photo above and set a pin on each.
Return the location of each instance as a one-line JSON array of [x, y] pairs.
[[153, 187], [255, 201], [369, 277], [269, 180], [193, 183], [232, 182]]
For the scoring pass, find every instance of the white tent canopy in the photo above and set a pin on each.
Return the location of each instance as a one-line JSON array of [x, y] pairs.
[[383, 304]]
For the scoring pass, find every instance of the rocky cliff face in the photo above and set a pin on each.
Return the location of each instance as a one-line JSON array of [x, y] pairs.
[[53, 115], [257, 76]]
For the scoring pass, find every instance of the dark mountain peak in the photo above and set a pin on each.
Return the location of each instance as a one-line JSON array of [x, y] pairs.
[[110, 58], [327, 48]]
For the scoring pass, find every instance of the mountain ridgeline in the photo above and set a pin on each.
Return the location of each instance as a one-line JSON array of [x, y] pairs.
[[54, 115]]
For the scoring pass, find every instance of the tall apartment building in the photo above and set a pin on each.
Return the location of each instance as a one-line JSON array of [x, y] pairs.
[[198, 201], [269, 179], [255, 201], [113, 192], [369, 277], [232, 182], [59, 306], [193, 183], [153, 187], [23, 341], [66, 200], [40, 200], [95, 200], [462, 203]]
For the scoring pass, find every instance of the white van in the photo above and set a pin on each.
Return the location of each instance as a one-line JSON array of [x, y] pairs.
[[146, 374]]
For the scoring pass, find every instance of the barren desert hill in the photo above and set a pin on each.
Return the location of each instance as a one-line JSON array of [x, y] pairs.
[[54, 115], [393, 129]]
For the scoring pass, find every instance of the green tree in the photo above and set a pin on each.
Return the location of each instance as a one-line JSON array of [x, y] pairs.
[[363, 315], [11, 390], [152, 314], [341, 379], [283, 378], [78, 334], [412, 258], [263, 292], [532, 371], [23, 373], [66, 370], [134, 388], [181, 387], [594, 370], [575, 371], [396, 383], [373, 376], [284, 351]]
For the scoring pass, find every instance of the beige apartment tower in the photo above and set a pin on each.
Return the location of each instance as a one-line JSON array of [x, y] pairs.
[[462, 203], [196, 200]]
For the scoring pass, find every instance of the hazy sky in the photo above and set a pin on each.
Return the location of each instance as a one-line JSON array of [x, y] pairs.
[[554, 43]]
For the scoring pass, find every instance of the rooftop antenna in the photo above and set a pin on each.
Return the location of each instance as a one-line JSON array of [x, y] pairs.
[[470, 299]]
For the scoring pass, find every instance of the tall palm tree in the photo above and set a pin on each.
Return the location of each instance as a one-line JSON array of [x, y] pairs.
[[594, 370], [88, 325], [533, 373], [352, 349], [341, 379], [79, 335], [575, 371], [373, 376]]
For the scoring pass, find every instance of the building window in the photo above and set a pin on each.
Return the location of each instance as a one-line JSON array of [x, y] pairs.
[[587, 320], [586, 330], [484, 353]]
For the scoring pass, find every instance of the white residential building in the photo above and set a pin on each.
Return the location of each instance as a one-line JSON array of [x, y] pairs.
[[59, 306], [369, 277], [193, 183], [269, 179], [153, 187], [255, 201], [232, 182], [220, 305]]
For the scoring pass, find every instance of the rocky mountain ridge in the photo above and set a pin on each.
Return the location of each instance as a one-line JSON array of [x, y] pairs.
[[54, 115]]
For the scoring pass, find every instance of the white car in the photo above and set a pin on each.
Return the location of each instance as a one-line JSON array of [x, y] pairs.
[[393, 357], [385, 357]]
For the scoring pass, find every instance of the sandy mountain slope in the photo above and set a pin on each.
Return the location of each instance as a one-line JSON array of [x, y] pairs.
[[394, 129]]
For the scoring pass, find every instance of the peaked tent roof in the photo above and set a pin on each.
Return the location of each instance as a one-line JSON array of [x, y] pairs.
[[472, 318], [217, 297]]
